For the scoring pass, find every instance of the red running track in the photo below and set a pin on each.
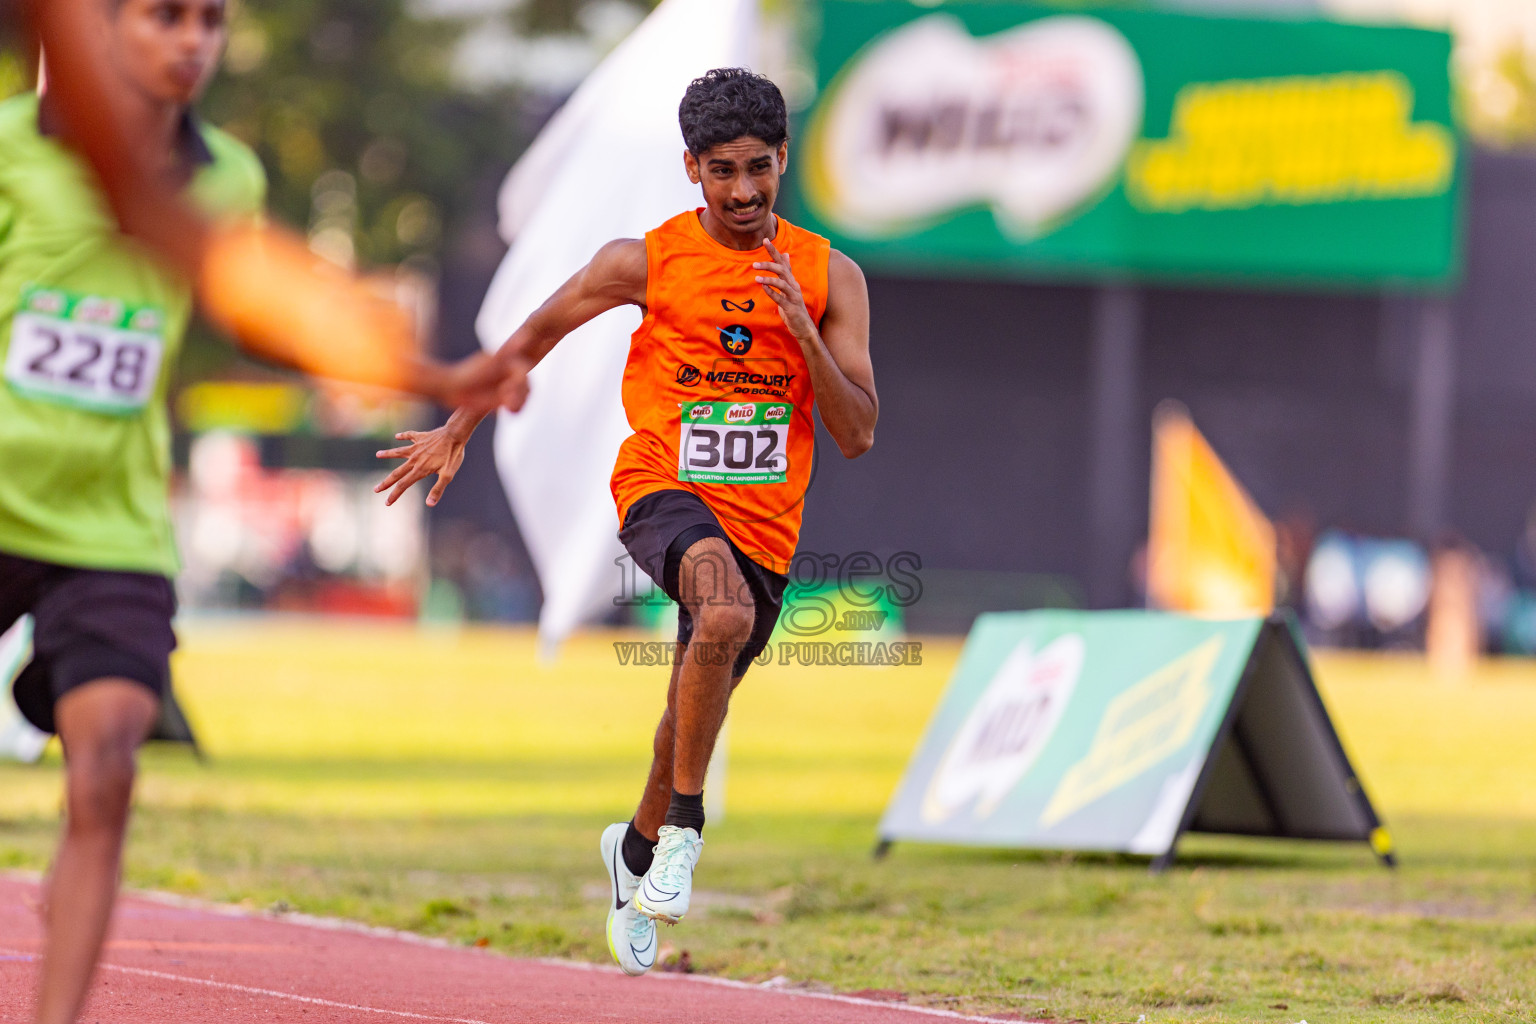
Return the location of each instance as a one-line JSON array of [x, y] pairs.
[[195, 964]]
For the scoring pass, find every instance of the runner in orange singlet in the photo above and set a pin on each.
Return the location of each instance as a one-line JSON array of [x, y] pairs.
[[749, 321]]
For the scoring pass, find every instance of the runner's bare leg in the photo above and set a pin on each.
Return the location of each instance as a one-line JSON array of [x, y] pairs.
[[698, 695], [657, 797], [102, 725]]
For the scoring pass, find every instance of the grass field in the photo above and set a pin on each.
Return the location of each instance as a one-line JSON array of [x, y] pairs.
[[448, 783]]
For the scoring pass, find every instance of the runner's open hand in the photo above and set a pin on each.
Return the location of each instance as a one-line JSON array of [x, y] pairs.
[[430, 452], [784, 290]]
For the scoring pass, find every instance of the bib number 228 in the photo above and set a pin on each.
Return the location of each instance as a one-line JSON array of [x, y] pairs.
[[99, 366]]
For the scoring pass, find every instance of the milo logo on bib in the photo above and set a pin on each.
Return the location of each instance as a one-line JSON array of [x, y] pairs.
[[734, 443]]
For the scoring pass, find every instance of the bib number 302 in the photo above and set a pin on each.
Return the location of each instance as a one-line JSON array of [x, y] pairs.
[[97, 367], [734, 443]]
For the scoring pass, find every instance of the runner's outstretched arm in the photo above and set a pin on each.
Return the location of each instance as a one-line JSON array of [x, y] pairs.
[[614, 277], [837, 353]]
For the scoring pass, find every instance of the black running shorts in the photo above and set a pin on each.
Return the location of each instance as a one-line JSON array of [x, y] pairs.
[[87, 624], [660, 528]]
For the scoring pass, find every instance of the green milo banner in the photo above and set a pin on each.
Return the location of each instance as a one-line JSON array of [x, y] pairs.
[[1118, 731], [1012, 138]]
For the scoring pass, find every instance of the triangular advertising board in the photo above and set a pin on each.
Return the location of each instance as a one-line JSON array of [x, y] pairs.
[[1120, 731]]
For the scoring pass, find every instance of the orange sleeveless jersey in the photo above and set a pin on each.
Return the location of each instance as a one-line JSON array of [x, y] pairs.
[[716, 388]]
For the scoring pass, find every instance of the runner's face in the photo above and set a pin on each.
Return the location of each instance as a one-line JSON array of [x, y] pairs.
[[168, 49], [741, 182]]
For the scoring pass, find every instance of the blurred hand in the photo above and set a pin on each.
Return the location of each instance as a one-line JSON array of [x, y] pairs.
[[429, 452], [513, 390], [473, 384]]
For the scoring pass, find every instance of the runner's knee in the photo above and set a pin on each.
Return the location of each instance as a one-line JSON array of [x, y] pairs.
[[100, 787], [101, 725], [706, 573], [724, 623]]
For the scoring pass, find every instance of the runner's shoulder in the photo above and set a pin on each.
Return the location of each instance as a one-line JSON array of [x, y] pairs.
[[235, 183], [806, 241], [847, 290], [804, 235], [619, 268], [840, 263], [675, 225]]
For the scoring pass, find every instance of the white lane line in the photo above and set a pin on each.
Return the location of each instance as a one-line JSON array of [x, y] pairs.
[[275, 994], [784, 990]]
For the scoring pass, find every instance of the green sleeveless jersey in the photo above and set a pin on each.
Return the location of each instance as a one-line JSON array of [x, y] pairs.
[[90, 328]]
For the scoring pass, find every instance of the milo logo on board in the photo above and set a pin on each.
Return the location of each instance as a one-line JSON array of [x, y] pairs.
[[739, 413], [775, 412], [1007, 729], [699, 412], [1034, 122]]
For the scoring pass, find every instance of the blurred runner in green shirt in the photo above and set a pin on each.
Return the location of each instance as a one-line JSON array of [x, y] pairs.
[[90, 326]]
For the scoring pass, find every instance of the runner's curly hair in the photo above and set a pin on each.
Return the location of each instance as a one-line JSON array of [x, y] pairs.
[[728, 103]]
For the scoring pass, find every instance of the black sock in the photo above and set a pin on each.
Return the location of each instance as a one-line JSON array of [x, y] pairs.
[[687, 811], [638, 850]]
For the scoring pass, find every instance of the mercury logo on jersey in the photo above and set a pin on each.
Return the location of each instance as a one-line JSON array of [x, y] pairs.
[[769, 380], [735, 339], [688, 375]]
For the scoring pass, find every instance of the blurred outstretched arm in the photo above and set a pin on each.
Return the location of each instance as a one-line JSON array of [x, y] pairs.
[[259, 283]]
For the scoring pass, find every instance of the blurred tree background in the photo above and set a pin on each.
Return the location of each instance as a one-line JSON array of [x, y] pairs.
[[13, 75], [351, 108], [386, 125], [1500, 100], [375, 120]]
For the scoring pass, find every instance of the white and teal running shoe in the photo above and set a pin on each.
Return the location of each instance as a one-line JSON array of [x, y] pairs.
[[631, 935], [666, 888]]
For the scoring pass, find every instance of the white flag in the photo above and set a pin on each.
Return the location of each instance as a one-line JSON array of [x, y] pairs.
[[609, 165]]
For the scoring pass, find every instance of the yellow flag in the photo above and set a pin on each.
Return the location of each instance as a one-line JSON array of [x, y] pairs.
[[1210, 549]]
